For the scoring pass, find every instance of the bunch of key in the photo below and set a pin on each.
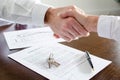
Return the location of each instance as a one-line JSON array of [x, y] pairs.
[[51, 61]]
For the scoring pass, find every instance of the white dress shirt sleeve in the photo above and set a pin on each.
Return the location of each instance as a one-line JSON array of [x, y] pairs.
[[109, 27], [23, 11]]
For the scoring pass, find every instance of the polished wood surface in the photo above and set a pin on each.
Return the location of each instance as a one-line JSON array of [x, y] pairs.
[[104, 48]]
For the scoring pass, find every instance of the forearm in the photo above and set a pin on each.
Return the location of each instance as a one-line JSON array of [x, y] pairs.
[[49, 14], [91, 23]]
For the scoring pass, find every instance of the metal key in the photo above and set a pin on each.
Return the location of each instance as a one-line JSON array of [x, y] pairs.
[[51, 61]]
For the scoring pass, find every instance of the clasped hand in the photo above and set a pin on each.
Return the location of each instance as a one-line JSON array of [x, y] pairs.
[[64, 23]]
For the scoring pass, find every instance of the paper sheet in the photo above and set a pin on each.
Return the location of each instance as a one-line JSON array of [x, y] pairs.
[[29, 37], [73, 65]]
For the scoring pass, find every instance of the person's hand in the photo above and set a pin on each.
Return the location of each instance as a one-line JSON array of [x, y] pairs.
[[67, 28], [89, 22]]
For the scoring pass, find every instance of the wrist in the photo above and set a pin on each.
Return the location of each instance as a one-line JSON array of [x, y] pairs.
[[48, 15], [91, 24]]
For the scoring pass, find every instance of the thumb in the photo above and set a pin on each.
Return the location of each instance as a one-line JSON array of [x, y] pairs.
[[79, 15], [67, 13]]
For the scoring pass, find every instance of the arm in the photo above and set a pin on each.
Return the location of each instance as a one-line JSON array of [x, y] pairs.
[[23, 11], [89, 22], [105, 26], [32, 12], [67, 28]]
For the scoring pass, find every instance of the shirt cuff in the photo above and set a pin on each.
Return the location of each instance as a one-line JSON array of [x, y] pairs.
[[38, 14], [104, 26]]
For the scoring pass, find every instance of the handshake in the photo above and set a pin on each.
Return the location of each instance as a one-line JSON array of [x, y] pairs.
[[70, 22]]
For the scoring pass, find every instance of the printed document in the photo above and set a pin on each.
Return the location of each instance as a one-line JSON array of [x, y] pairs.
[[29, 37], [73, 64]]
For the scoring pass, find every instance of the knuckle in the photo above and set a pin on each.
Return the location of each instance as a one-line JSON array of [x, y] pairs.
[[73, 7], [69, 21], [65, 26]]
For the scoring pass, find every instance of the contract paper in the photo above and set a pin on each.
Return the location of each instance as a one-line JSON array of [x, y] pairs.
[[29, 37], [73, 64]]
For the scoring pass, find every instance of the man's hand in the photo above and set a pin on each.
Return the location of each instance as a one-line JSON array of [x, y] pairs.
[[67, 28], [87, 21]]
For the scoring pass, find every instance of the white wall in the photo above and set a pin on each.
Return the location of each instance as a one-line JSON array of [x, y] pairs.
[[89, 6]]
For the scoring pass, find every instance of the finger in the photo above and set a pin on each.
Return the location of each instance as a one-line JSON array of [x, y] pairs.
[[72, 31], [75, 28], [68, 34], [56, 35], [68, 13], [79, 29], [79, 15], [65, 38], [68, 27]]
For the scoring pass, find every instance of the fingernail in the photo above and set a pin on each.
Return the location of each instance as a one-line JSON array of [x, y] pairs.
[[56, 36], [69, 40], [88, 34], [85, 34], [77, 38]]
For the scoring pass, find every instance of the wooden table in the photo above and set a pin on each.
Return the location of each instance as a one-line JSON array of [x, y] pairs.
[[104, 48]]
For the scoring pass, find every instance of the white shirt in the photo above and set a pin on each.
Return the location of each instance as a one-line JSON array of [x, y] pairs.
[[109, 27], [23, 11]]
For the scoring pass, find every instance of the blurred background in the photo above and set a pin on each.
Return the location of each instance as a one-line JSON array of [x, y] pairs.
[[98, 7]]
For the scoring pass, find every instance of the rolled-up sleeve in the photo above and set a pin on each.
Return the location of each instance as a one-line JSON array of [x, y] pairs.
[[23, 11]]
